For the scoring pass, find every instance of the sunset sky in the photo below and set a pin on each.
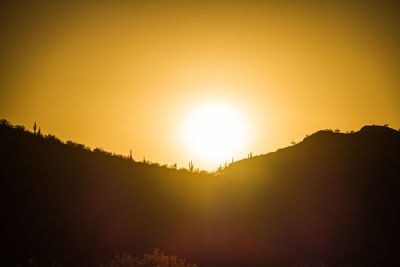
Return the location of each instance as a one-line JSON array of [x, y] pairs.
[[133, 75]]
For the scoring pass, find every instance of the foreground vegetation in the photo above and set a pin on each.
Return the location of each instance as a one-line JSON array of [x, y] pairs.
[[156, 259]]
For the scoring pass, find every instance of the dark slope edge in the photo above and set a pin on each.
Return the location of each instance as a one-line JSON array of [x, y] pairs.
[[331, 198]]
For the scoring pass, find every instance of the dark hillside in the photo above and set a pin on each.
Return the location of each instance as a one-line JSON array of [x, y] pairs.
[[331, 198], [66, 204]]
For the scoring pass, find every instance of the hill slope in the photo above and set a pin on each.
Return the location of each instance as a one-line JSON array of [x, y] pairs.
[[331, 198]]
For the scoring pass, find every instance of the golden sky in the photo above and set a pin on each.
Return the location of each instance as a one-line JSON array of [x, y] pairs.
[[127, 76]]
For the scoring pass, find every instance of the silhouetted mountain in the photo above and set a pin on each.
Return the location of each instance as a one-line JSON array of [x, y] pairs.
[[332, 198]]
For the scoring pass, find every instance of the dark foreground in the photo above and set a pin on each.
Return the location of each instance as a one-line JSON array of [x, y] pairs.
[[332, 198]]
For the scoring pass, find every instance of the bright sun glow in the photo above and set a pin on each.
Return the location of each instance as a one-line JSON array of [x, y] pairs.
[[215, 132]]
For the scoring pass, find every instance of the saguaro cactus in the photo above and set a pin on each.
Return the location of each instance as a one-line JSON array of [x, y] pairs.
[[191, 166], [34, 128]]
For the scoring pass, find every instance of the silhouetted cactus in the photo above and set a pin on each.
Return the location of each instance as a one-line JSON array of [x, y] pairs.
[[191, 166], [34, 127]]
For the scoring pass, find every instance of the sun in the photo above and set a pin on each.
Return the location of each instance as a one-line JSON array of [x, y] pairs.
[[214, 132]]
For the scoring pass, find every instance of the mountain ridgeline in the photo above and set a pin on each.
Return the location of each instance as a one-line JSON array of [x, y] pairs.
[[331, 198]]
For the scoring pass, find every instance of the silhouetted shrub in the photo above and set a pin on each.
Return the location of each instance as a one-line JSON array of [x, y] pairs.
[[5, 123], [174, 166], [219, 169], [19, 128], [102, 151], [156, 259], [52, 138], [77, 145]]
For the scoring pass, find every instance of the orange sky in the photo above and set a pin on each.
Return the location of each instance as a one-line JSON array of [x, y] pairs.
[[125, 76]]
